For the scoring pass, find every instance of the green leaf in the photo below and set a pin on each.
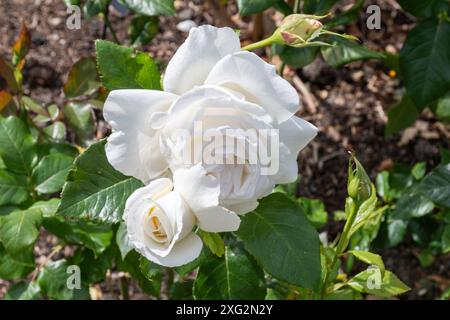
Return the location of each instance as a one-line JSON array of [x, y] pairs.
[[143, 29], [247, 7], [121, 68], [369, 258], [419, 170], [23, 291], [82, 78], [425, 8], [54, 279], [94, 7], [47, 208], [17, 146], [7, 73], [94, 236], [371, 281], [443, 108], [56, 131], [133, 263], [94, 268], [401, 116], [32, 105], [13, 188], [50, 173], [296, 57], [412, 205], [280, 237], [446, 239], [213, 241], [319, 7], [436, 185], [20, 229], [80, 119], [150, 7], [234, 276], [94, 189], [348, 16], [315, 211], [16, 266], [182, 290], [122, 240], [425, 62], [346, 51]]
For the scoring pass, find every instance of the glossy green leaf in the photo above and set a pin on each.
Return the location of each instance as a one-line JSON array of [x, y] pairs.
[[56, 131], [82, 79], [150, 7], [443, 108], [345, 51], [94, 189], [213, 241], [296, 57], [436, 185], [315, 211], [446, 239], [247, 7], [419, 169], [80, 118], [32, 105], [143, 29], [425, 62], [369, 258], [20, 229], [425, 8], [17, 146], [371, 281], [401, 116], [50, 173], [121, 68], [23, 291], [94, 236], [234, 276], [412, 205], [13, 188], [94, 7], [7, 73], [16, 266], [283, 241], [319, 7], [54, 280]]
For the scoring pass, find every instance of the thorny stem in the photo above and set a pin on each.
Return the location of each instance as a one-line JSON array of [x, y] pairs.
[[296, 8], [259, 44], [342, 244]]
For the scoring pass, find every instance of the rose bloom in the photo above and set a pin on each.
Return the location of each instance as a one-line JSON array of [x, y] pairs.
[[209, 81], [160, 224]]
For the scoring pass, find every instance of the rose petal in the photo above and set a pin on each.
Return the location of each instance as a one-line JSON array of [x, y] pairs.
[[195, 58], [182, 252], [248, 74], [133, 148], [201, 193]]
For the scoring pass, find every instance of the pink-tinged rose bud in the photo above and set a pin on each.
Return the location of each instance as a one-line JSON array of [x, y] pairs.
[[299, 28]]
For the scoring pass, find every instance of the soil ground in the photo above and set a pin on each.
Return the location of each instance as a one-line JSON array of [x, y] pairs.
[[349, 106]]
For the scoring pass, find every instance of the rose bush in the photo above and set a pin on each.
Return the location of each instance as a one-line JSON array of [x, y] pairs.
[[212, 82]]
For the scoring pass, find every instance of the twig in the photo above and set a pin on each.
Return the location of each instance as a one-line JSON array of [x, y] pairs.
[[307, 96], [166, 283], [54, 251]]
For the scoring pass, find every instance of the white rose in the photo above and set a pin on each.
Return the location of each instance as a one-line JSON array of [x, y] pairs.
[[211, 80], [160, 225]]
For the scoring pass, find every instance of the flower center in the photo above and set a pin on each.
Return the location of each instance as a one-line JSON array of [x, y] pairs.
[[153, 227]]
